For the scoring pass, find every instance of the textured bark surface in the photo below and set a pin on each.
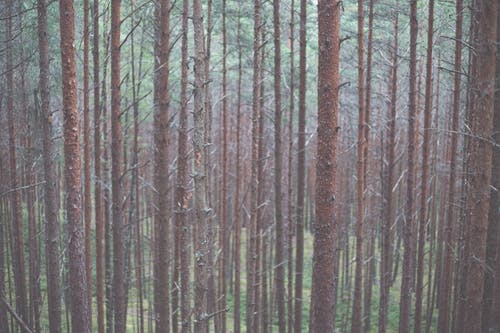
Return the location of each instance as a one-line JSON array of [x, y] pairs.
[[325, 231], [80, 315], [116, 173], [480, 159], [425, 172], [387, 186], [161, 211], [494, 213], [201, 207], [50, 172], [407, 269]]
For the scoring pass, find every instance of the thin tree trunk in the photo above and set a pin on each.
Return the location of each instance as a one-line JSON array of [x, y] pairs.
[[182, 193], [98, 199], [251, 309], [301, 172], [324, 274], [237, 212], [86, 156], [80, 315], [356, 323], [290, 227], [279, 265], [370, 231], [425, 172], [223, 233], [116, 173]]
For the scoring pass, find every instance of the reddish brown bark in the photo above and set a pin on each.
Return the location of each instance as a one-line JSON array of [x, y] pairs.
[[480, 159], [80, 315], [325, 233]]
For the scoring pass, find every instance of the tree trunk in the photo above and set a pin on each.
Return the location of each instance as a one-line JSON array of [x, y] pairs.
[[407, 276], [201, 206], [182, 194], [388, 198], [116, 173], [301, 172], [480, 159], [237, 212], [50, 171], [425, 171], [278, 212], [80, 315], [356, 323], [325, 233]]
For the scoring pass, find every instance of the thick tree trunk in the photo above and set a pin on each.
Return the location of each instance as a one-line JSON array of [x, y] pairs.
[[325, 233], [201, 206], [494, 213], [80, 315], [50, 171], [480, 159], [161, 215]]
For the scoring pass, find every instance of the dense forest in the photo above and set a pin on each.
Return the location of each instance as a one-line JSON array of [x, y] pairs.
[[249, 166]]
